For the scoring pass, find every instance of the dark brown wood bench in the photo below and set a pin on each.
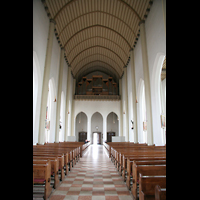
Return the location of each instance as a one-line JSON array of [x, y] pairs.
[[147, 186], [160, 193], [42, 176], [150, 170], [54, 167], [60, 159]]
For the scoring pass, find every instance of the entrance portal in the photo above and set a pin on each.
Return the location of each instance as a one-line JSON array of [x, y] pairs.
[[96, 138]]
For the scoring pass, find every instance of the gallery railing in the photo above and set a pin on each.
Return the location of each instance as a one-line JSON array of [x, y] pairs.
[[98, 97]]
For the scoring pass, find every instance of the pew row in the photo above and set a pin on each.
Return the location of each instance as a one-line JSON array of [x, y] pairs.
[[147, 186], [42, 176], [160, 193]]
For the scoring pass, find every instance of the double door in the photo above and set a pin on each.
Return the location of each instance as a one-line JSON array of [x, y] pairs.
[[82, 136]]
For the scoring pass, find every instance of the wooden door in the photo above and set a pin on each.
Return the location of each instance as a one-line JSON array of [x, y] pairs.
[[98, 138], [109, 136], [82, 136]]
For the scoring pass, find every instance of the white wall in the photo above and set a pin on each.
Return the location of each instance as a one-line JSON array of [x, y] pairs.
[[91, 107]]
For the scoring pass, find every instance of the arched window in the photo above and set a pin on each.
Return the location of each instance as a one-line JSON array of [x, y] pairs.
[[142, 133]]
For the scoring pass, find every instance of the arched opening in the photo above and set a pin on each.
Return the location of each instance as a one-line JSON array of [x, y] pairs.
[[36, 96], [158, 99], [81, 127], [112, 126], [97, 127], [50, 113]]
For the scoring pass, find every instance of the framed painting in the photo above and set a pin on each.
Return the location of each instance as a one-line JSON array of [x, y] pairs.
[[144, 126], [47, 124], [162, 121]]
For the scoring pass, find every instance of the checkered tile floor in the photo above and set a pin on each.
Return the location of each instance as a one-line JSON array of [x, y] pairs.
[[94, 177]]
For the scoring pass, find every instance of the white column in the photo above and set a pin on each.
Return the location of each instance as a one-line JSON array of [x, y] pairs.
[[104, 129], [132, 62], [41, 138], [121, 109], [67, 103], [59, 95], [146, 83], [73, 117], [89, 128], [126, 105]]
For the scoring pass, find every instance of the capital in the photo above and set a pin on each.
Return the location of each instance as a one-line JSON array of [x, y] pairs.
[[141, 22], [53, 21]]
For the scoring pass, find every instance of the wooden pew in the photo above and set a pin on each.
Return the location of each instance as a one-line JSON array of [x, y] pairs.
[[149, 156], [60, 159], [128, 160], [54, 167], [150, 170], [160, 193], [147, 186], [42, 176]]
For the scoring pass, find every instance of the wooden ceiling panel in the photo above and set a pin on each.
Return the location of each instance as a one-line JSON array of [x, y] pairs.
[[83, 26]]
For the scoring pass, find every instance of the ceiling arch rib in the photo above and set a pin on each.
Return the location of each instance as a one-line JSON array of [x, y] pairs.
[[88, 27], [96, 37], [67, 4], [96, 46], [98, 32], [98, 20], [93, 56], [98, 59]]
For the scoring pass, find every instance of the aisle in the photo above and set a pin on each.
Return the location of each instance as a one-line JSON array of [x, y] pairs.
[[94, 177]]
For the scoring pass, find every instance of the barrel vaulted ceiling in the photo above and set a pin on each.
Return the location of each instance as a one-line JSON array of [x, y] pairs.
[[97, 34]]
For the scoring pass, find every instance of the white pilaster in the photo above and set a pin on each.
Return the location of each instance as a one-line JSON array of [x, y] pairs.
[[41, 138], [121, 109], [67, 103], [73, 117], [146, 82], [126, 105], [59, 95], [132, 62]]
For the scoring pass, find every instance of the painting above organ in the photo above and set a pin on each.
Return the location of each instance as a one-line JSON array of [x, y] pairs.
[[97, 84]]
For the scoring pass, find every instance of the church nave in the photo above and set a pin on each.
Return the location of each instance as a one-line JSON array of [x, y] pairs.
[[94, 177]]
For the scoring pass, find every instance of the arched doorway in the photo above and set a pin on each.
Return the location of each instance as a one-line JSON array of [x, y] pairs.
[[97, 127], [112, 126], [81, 127]]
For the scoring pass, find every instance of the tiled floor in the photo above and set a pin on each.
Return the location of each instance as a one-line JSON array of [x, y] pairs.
[[94, 177]]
